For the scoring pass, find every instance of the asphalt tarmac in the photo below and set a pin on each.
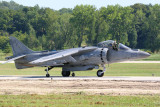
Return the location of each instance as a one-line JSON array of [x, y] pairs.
[[118, 78]]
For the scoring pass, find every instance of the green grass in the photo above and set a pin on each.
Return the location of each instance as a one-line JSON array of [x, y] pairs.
[[153, 57], [3, 55], [78, 100], [118, 69]]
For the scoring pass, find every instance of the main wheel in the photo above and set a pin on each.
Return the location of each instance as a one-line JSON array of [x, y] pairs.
[[73, 74], [100, 73], [47, 75], [65, 73]]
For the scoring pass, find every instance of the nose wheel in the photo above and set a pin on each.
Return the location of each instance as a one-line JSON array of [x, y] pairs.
[[100, 73]]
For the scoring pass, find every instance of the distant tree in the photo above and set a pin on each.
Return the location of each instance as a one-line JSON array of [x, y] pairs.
[[83, 21], [137, 26], [65, 10], [67, 33], [153, 30], [119, 20], [3, 42], [132, 38], [102, 26], [7, 49], [10, 5]]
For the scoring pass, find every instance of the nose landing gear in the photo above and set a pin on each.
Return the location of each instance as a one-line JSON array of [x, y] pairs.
[[100, 73]]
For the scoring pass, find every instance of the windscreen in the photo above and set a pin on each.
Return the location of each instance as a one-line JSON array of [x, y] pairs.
[[123, 47], [112, 44]]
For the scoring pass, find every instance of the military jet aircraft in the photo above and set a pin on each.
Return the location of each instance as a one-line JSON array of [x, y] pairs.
[[75, 59]]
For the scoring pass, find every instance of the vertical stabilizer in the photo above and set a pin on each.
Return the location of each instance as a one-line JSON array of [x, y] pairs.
[[18, 47]]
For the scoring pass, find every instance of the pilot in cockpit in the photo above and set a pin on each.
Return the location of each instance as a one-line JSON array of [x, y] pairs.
[[113, 45]]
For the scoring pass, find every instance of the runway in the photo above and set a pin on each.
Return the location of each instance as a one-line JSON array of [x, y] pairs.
[[107, 85], [106, 78], [18, 85]]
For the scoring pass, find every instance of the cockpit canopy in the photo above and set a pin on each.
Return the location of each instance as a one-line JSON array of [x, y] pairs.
[[112, 45]]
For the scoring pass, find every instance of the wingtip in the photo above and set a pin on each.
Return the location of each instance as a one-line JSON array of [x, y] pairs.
[[4, 62]]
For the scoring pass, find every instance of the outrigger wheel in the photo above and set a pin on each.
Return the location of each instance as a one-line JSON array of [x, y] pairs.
[[66, 73], [73, 74], [47, 69], [100, 73], [47, 75]]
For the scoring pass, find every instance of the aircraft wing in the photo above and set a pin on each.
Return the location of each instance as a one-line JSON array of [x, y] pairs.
[[64, 54], [14, 58]]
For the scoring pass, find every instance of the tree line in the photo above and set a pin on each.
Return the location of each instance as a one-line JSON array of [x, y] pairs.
[[137, 26]]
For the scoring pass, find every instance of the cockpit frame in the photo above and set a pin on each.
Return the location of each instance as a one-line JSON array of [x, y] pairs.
[[111, 44]]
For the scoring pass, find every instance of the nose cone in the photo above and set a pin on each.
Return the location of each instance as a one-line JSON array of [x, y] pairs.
[[142, 54]]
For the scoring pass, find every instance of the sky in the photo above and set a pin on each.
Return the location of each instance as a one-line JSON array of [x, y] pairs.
[[58, 4]]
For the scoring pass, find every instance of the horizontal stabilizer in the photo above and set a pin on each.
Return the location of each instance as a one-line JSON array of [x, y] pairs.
[[14, 58]]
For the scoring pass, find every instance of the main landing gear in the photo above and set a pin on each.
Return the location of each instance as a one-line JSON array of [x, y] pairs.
[[64, 73], [100, 73], [67, 74], [47, 70]]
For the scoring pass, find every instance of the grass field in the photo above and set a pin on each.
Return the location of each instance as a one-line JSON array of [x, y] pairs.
[[153, 57], [118, 69], [79, 99], [3, 55]]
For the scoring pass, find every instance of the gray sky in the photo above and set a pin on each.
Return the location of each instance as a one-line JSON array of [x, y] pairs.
[[58, 4]]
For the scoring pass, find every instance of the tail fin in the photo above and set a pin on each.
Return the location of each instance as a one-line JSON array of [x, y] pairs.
[[18, 47]]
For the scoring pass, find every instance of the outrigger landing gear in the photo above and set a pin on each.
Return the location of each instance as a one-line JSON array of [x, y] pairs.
[[73, 74], [47, 69], [100, 73], [47, 75]]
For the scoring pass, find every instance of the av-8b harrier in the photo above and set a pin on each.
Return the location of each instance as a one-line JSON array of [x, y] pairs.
[[75, 59]]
